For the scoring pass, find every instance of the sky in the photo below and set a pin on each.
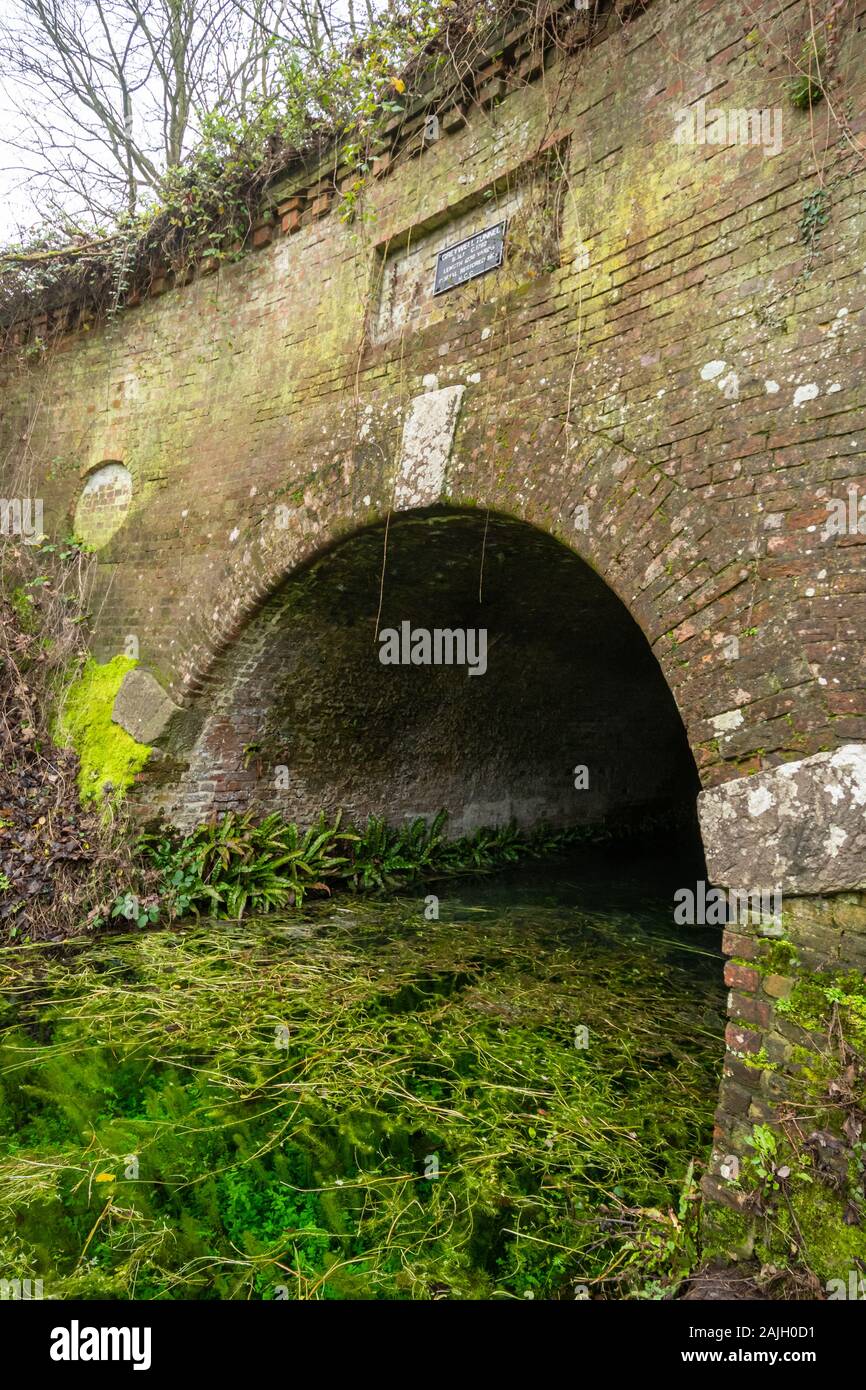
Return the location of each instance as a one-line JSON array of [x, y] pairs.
[[15, 205], [22, 205]]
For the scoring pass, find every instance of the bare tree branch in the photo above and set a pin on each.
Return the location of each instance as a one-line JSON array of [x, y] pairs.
[[111, 93]]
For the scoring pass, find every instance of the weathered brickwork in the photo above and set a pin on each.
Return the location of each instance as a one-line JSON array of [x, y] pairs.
[[104, 502], [770, 1055], [691, 372], [530, 201], [667, 377]]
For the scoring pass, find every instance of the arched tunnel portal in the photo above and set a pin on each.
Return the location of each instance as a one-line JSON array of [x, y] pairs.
[[559, 713]]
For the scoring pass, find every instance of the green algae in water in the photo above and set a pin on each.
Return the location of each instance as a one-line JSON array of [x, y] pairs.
[[357, 1103]]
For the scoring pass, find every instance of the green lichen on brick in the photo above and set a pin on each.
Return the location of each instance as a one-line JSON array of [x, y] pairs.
[[813, 1226], [776, 956], [814, 996], [757, 1061], [109, 757], [813, 1218]]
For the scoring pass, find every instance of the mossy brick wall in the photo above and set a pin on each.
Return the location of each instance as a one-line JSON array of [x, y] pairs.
[[828, 934], [590, 383], [686, 364], [596, 383], [795, 1061]]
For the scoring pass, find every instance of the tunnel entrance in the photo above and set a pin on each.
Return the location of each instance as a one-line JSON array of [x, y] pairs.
[[570, 721]]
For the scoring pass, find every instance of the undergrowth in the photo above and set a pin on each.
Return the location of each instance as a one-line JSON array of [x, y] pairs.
[[239, 865], [60, 863], [803, 1181]]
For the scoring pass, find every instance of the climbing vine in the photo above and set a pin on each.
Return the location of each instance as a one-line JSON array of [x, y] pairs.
[[205, 208]]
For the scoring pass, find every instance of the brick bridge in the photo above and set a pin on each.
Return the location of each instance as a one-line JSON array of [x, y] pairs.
[[625, 453]]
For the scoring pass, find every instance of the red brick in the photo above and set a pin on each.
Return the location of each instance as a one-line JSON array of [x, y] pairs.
[[741, 976]]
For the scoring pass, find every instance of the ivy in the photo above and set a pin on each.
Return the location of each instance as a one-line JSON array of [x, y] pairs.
[[205, 208]]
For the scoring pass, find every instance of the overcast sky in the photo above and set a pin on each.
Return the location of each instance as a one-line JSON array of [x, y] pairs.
[[220, 44], [15, 205]]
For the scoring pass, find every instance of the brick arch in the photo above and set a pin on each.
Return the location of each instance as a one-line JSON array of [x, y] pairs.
[[264, 558], [690, 569], [605, 708]]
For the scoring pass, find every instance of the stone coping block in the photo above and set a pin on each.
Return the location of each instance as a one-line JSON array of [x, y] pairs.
[[799, 828], [141, 706]]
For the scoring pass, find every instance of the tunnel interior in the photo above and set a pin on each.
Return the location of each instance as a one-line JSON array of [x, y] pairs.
[[302, 715]]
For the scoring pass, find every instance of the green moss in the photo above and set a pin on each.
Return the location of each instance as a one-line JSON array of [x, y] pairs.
[[22, 606], [780, 957], [811, 1001], [758, 1061], [811, 1223], [725, 1232], [109, 756]]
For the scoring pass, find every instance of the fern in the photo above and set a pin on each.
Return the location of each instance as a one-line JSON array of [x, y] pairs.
[[235, 865]]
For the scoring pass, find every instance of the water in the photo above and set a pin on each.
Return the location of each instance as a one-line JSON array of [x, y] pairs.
[[357, 1102]]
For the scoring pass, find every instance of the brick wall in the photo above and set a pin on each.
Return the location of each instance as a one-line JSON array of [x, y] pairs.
[[676, 393], [802, 1074], [691, 372]]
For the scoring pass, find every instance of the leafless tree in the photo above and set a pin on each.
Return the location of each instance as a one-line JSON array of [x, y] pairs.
[[110, 93]]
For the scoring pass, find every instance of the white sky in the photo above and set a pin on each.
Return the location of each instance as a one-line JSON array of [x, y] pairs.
[[19, 183], [15, 205]]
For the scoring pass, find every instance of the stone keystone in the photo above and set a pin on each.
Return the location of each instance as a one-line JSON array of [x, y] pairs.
[[141, 706], [428, 434], [799, 828]]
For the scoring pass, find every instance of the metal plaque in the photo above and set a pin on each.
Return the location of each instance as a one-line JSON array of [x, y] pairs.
[[466, 259]]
